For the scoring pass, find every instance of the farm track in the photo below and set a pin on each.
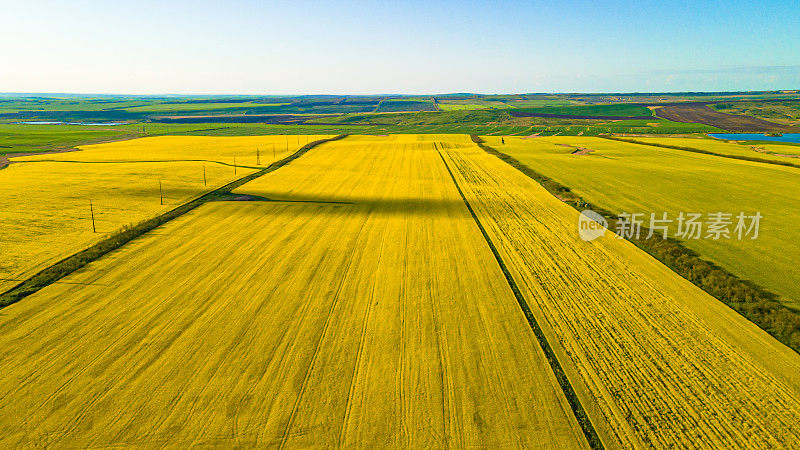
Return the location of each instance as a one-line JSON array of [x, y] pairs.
[[376, 319], [654, 360], [5, 160]]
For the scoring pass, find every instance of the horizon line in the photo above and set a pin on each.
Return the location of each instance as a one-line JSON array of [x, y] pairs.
[[154, 94]]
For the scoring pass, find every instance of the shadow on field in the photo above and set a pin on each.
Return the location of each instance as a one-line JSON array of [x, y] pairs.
[[378, 205]]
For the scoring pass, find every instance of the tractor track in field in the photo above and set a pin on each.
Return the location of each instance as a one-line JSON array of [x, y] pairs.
[[561, 377], [70, 264], [5, 159]]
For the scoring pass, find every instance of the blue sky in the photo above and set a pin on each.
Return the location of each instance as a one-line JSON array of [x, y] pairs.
[[362, 47]]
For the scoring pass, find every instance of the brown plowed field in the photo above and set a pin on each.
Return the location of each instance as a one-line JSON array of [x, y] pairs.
[[701, 113]]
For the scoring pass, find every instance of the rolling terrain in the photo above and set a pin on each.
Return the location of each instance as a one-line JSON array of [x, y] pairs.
[[633, 178], [57, 204], [406, 290], [339, 312], [656, 362], [701, 113]]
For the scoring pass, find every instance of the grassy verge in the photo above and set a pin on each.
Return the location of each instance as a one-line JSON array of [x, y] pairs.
[[754, 303], [697, 150], [72, 263]]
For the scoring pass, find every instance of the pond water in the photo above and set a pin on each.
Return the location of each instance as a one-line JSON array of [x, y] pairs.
[[788, 137]]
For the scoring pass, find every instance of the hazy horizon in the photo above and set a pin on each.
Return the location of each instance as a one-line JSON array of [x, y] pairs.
[[376, 94]]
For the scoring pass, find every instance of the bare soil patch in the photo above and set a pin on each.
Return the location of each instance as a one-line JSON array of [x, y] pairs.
[[579, 151], [701, 113]]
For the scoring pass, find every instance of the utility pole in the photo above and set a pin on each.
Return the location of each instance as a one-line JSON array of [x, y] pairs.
[[258, 157], [91, 211], [234, 164], [204, 175], [273, 153], [160, 191]]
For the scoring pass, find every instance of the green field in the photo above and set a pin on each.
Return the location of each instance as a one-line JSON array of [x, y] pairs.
[[458, 105], [400, 105], [184, 106], [16, 138], [259, 115], [634, 178], [14, 104], [620, 110]]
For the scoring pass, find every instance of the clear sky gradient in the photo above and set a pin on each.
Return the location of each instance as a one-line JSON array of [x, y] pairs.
[[362, 47]]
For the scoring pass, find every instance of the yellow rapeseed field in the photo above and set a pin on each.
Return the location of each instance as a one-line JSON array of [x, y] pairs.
[[632, 178], [45, 209], [360, 307], [655, 361]]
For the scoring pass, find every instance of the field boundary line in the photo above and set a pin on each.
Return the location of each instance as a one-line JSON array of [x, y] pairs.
[[701, 151], [72, 263], [756, 304], [558, 371]]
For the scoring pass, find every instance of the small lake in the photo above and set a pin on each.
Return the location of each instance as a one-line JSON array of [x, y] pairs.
[[788, 137], [88, 124]]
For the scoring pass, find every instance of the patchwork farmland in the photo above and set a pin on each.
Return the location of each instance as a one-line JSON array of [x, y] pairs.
[[400, 225], [400, 291], [57, 204], [634, 178]]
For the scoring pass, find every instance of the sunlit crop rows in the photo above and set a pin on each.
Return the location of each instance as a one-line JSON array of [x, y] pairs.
[[623, 177], [656, 361], [45, 212], [360, 307]]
